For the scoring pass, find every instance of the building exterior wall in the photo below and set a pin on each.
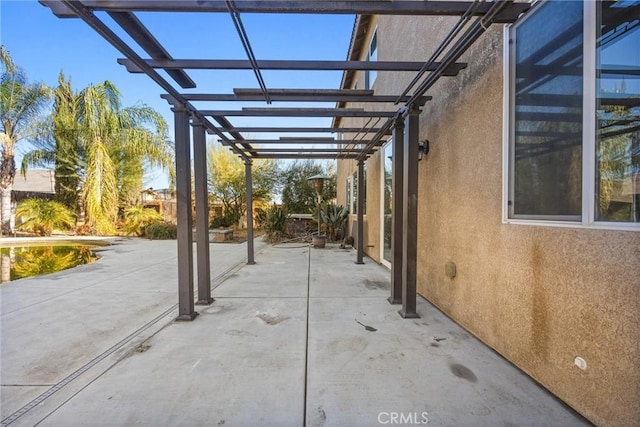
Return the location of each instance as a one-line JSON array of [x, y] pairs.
[[538, 295]]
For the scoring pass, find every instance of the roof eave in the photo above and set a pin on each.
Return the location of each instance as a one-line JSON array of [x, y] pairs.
[[356, 45]]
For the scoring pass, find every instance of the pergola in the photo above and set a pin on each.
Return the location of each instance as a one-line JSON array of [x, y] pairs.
[[395, 114]]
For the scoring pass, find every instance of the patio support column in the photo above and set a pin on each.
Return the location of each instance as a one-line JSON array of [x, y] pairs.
[[183, 210], [397, 226], [202, 212], [410, 214], [249, 184], [360, 213]]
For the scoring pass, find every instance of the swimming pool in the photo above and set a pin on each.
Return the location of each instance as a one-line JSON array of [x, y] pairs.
[[38, 258]]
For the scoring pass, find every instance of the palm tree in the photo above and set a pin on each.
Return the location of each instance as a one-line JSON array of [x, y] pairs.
[[104, 148], [20, 105], [42, 216]]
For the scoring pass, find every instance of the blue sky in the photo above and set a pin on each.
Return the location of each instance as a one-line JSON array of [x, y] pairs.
[[43, 45]]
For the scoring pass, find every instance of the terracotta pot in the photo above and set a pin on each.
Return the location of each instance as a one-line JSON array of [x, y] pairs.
[[319, 241]]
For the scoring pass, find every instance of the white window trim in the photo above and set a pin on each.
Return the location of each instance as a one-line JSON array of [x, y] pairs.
[[588, 134], [589, 114], [383, 261], [368, 81], [348, 202]]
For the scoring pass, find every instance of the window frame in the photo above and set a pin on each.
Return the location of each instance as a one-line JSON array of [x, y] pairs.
[[370, 76], [353, 192], [383, 260], [587, 219]]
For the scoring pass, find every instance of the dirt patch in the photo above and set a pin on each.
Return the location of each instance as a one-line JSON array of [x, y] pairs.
[[142, 348], [373, 285], [270, 319]]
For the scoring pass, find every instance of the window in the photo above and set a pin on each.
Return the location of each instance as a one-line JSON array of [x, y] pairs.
[[618, 112], [386, 210], [348, 195], [574, 113], [372, 55], [353, 193]]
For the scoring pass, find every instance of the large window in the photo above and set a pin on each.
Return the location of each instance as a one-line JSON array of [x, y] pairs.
[[574, 121]]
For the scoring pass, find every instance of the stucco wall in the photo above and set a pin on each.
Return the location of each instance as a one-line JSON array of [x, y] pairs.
[[538, 295]]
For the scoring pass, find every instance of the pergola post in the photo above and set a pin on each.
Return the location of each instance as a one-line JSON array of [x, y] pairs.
[[360, 213], [410, 214], [249, 186], [202, 212], [183, 211], [397, 227]]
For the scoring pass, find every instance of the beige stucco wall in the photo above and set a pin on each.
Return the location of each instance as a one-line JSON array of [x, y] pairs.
[[538, 295]]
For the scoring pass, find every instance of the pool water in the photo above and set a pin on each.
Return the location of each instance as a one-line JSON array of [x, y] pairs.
[[28, 261]]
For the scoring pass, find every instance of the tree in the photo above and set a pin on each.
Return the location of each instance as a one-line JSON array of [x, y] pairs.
[[298, 193], [226, 180], [68, 150], [20, 106], [102, 148]]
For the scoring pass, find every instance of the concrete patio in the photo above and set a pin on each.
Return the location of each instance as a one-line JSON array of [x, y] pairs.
[[304, 337]]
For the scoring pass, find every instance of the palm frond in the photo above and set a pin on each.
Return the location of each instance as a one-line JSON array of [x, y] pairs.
[[100, 192], [39, 157], [7, 61]]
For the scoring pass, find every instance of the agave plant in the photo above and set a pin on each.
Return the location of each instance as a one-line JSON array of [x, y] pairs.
[[275, 223], [335, 217]]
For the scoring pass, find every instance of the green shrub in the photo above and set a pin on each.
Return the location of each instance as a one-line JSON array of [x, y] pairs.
[[42, 216], [220, 222], [137, 219], [275, 223], [161, 231]]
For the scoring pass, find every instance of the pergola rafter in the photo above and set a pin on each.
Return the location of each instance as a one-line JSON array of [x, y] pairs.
[[298, 65]]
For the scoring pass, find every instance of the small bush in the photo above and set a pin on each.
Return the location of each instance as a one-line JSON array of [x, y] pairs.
[[84, 230], [42, 216], [220, 222], [161, 231], [137, 219]]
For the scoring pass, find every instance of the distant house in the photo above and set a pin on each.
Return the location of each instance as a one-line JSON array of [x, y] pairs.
[[36, 183]]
